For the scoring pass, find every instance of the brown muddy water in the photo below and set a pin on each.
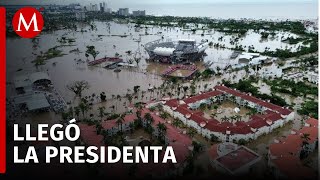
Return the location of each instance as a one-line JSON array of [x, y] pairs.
[[111, 38]]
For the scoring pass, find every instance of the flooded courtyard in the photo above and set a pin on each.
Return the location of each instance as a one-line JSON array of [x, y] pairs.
[[228, 112]]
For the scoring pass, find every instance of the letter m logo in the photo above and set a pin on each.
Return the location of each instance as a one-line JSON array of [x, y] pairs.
[[27, 26], [27, 22]]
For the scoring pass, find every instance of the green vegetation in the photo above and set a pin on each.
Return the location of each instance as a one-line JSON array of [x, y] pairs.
[[113, 116], [51, 53], [207, 73], [92, 51], [309, 108], [292, 88], [64, 40], [287, 53], [78, 87], [307, 62], [292, 40]]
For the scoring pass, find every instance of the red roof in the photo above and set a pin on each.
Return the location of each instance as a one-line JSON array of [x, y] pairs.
[[257, 123], [312, 122], [181, 151], [184, 110], [226, 124], [203, 96], [172, 103], [237, 158], [130, 118], [89, 135], [240, 130], [292, 167], [229, 90], [109, 124], [251, 99], [255, 100], [274, 117], [212, 126], [287, 154], [283, 111], [198, 119], [291, 145], [172, 133], [312, 131]]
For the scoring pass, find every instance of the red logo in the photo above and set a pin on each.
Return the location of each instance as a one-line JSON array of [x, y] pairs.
[[27, 22]]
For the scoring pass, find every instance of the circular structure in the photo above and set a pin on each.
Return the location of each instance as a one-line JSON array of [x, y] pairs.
[[183, 50], [39, 78]]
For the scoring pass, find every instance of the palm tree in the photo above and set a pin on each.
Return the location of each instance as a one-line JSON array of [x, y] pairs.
[[84, 108], [213, 138], [129, 96], [213, 115], [191, 132], [118, 97], [238, 117], [148, 118], [305, 138], [164, 115], [77, 111], [98, 128], [162, 129], [233, 118], [101, 112], [176, 122], [120, 121], [225, 118], [138, 114]]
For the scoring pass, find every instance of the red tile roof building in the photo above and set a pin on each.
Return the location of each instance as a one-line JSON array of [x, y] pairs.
[[232, 159], [272, 116], [89, 135], [284, 155]]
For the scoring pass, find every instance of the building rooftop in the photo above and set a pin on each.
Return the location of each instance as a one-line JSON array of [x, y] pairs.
[[292, 167], [33, 101], [286, 153], [238, 158], [269, 116], [89, 135], [312, 122], [24, 80]]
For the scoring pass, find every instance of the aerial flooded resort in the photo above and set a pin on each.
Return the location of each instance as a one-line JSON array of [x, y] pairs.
[[232, 96]]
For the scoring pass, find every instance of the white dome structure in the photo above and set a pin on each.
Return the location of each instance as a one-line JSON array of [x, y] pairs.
[[162, 51]]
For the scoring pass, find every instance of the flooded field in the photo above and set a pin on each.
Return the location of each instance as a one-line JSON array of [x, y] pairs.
[[111, 38]]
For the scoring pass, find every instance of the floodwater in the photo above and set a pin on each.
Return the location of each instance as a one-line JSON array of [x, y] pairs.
[[111, 38], [69, 69]]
